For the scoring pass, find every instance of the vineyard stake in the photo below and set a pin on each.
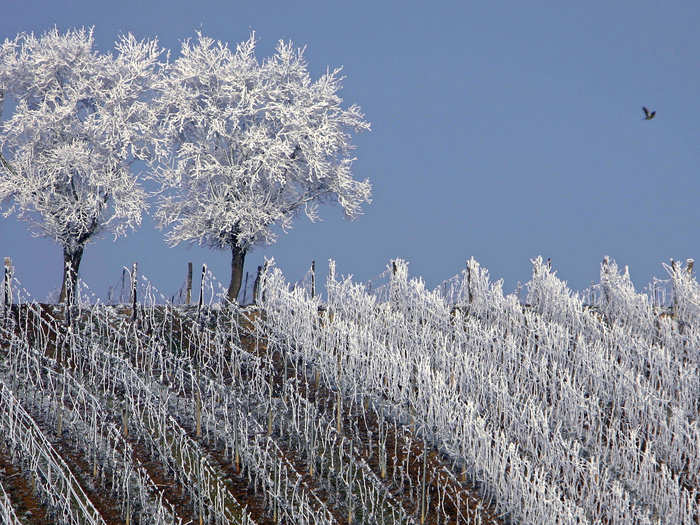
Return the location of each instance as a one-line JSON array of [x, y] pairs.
[[256, 286], [7, 299], [60, 408], [125, 422], [422, 485], [313, 279], [469, 283], [133, 292], [198, 413], [339, 402], [188, 292], [393, 298], [265, 267], [676, 267], [201, 291], [245, 289]]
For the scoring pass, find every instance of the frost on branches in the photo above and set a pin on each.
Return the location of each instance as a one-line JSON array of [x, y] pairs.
[[81, 119], [246, 146]]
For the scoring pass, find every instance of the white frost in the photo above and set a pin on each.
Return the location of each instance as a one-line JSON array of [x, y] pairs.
[[81, 119], [247, 145]]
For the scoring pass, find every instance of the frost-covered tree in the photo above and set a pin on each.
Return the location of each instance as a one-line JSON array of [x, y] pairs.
[[81, 119], [247, 146]]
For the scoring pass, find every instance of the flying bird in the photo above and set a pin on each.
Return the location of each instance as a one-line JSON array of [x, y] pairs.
[[647, 114]]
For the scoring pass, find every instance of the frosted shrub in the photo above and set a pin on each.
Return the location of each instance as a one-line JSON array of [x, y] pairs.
[[555, 413], [346, 298], [686, 293], [548, 400], [481, 297], [620, 303], [550, 296]]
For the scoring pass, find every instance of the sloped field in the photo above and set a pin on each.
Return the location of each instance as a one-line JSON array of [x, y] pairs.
[[390, 406]]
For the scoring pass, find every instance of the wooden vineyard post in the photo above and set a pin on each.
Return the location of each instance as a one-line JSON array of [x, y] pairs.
[[133, 292], [201, 286], [59, 425], [348, 502], [313, 279], [7, 294], [606, 285], [125, 421], [236, 456], [339, 422], [196, 391], [201, 292], [274, 497], [270, 416], [188, 292], [392, 294], [422, 484], [256, 286], [258, 294], [469, 283], [263, 291], [245, 289], [198, 413], [675, 266], [381, 450], [121, 292]]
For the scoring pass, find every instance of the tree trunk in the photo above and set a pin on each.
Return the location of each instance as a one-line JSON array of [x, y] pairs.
[[237, 261], [71, 259]]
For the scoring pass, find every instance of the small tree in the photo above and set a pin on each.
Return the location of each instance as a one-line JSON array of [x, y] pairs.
[[245, 146], [81, 119]]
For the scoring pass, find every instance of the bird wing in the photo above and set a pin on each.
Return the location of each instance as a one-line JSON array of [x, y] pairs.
[[646, 111]]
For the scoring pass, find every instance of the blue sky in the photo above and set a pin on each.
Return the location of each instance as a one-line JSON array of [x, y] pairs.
[[501, 130]]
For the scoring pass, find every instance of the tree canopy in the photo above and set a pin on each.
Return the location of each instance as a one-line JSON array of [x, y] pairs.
[[238, 146], [81, 119], [248, 145]]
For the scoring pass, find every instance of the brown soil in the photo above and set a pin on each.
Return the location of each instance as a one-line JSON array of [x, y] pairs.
[[18, 485]]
